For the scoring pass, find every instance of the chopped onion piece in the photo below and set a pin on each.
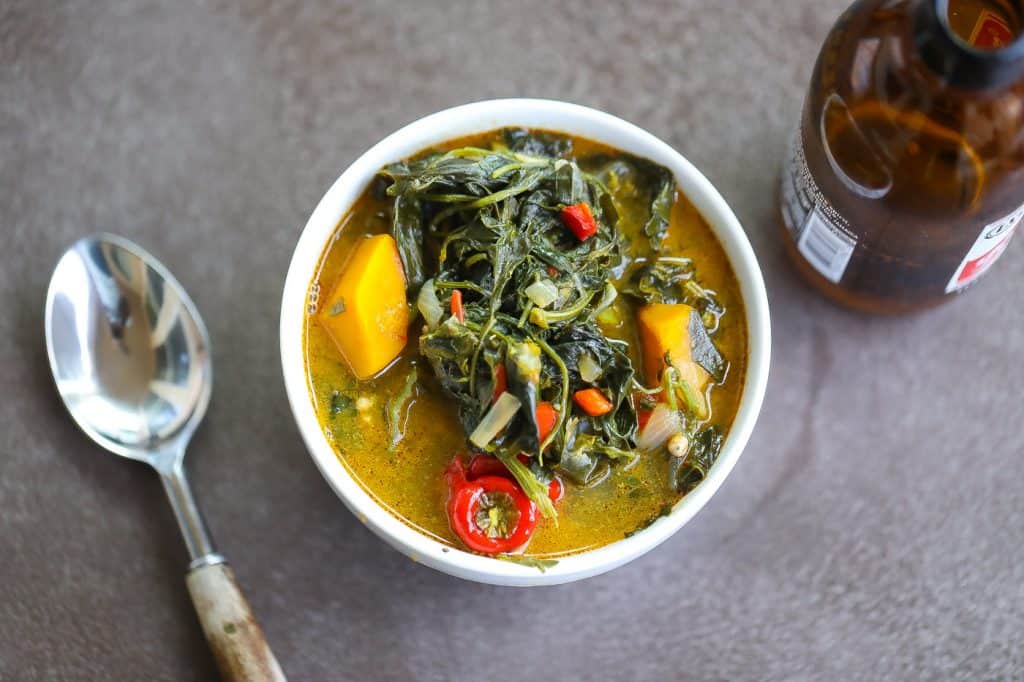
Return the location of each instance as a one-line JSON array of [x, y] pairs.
[[496, 419], [542, 293], [663, 424], [590, 371], [429, 304]]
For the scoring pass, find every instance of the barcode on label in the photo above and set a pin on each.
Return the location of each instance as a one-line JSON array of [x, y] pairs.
[[825, 247]]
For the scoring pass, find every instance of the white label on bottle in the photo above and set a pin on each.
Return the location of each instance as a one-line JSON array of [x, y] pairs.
[[990, 246], [825, 247], [823, 237]]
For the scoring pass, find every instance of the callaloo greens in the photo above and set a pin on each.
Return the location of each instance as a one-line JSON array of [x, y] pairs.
[[512, 298], [519, 324]]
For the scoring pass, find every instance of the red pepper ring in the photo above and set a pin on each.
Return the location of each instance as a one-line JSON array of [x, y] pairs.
[[465, 504]]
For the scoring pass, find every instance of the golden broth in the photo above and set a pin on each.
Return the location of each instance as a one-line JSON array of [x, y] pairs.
[[410, 482]]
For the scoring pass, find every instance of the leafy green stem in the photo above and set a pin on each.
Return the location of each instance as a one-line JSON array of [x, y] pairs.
[[469, 286], [544, 318], [563, 413]]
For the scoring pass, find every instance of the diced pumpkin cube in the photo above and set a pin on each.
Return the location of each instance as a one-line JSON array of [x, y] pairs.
[[665, 328], [366, 314]]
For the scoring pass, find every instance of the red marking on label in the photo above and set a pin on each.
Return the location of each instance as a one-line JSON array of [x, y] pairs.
[[977, 267], [991, 32]]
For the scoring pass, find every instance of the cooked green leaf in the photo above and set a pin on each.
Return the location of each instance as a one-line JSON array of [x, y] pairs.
[[703, 350], [690, 471], [661, 280], [397, 412], [661, 213], [407, 229], [537, 143]]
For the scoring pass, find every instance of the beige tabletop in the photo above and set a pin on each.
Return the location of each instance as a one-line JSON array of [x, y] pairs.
[[874, 529]]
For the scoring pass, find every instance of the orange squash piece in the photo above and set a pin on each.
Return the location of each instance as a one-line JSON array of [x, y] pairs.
[[366, 314], [665, 328]]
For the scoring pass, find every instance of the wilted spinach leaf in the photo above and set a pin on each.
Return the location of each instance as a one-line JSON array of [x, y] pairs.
[[407, 229], [656, 228], [661, 280], [690, 471], [537, 143]]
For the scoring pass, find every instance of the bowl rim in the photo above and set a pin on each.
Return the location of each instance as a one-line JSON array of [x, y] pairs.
[[480, 117]]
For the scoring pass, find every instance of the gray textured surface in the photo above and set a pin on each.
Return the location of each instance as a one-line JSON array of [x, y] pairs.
[[874, 528]]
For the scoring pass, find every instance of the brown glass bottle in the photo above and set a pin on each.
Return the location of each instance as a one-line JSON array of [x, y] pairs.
[[906, 179]]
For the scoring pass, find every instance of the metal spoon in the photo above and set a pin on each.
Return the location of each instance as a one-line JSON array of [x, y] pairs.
[[131, 358]]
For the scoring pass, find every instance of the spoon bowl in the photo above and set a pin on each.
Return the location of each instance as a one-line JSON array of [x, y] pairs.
[[129, 352]]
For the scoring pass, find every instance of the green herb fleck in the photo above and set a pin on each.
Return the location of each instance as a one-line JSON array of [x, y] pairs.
[[341, 404]]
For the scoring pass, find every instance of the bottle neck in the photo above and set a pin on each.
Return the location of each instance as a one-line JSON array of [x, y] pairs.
[[958, 63]]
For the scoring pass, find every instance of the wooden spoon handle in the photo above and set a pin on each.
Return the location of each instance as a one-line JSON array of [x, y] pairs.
[[234, 636]]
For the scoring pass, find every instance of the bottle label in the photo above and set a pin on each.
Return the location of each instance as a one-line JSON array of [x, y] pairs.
[[991, 32], [823, 236], [990, 246]]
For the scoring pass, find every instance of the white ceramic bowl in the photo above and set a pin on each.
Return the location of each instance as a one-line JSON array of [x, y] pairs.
[[477, 118]]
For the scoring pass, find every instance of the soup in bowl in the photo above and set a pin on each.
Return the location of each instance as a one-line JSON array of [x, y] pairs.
[[525, 341]]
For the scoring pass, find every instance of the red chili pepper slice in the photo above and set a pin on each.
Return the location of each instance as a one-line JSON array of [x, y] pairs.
[[457, 310], [642, 417], [593, 402], [580, 220], [492, 515], [547, 417]]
